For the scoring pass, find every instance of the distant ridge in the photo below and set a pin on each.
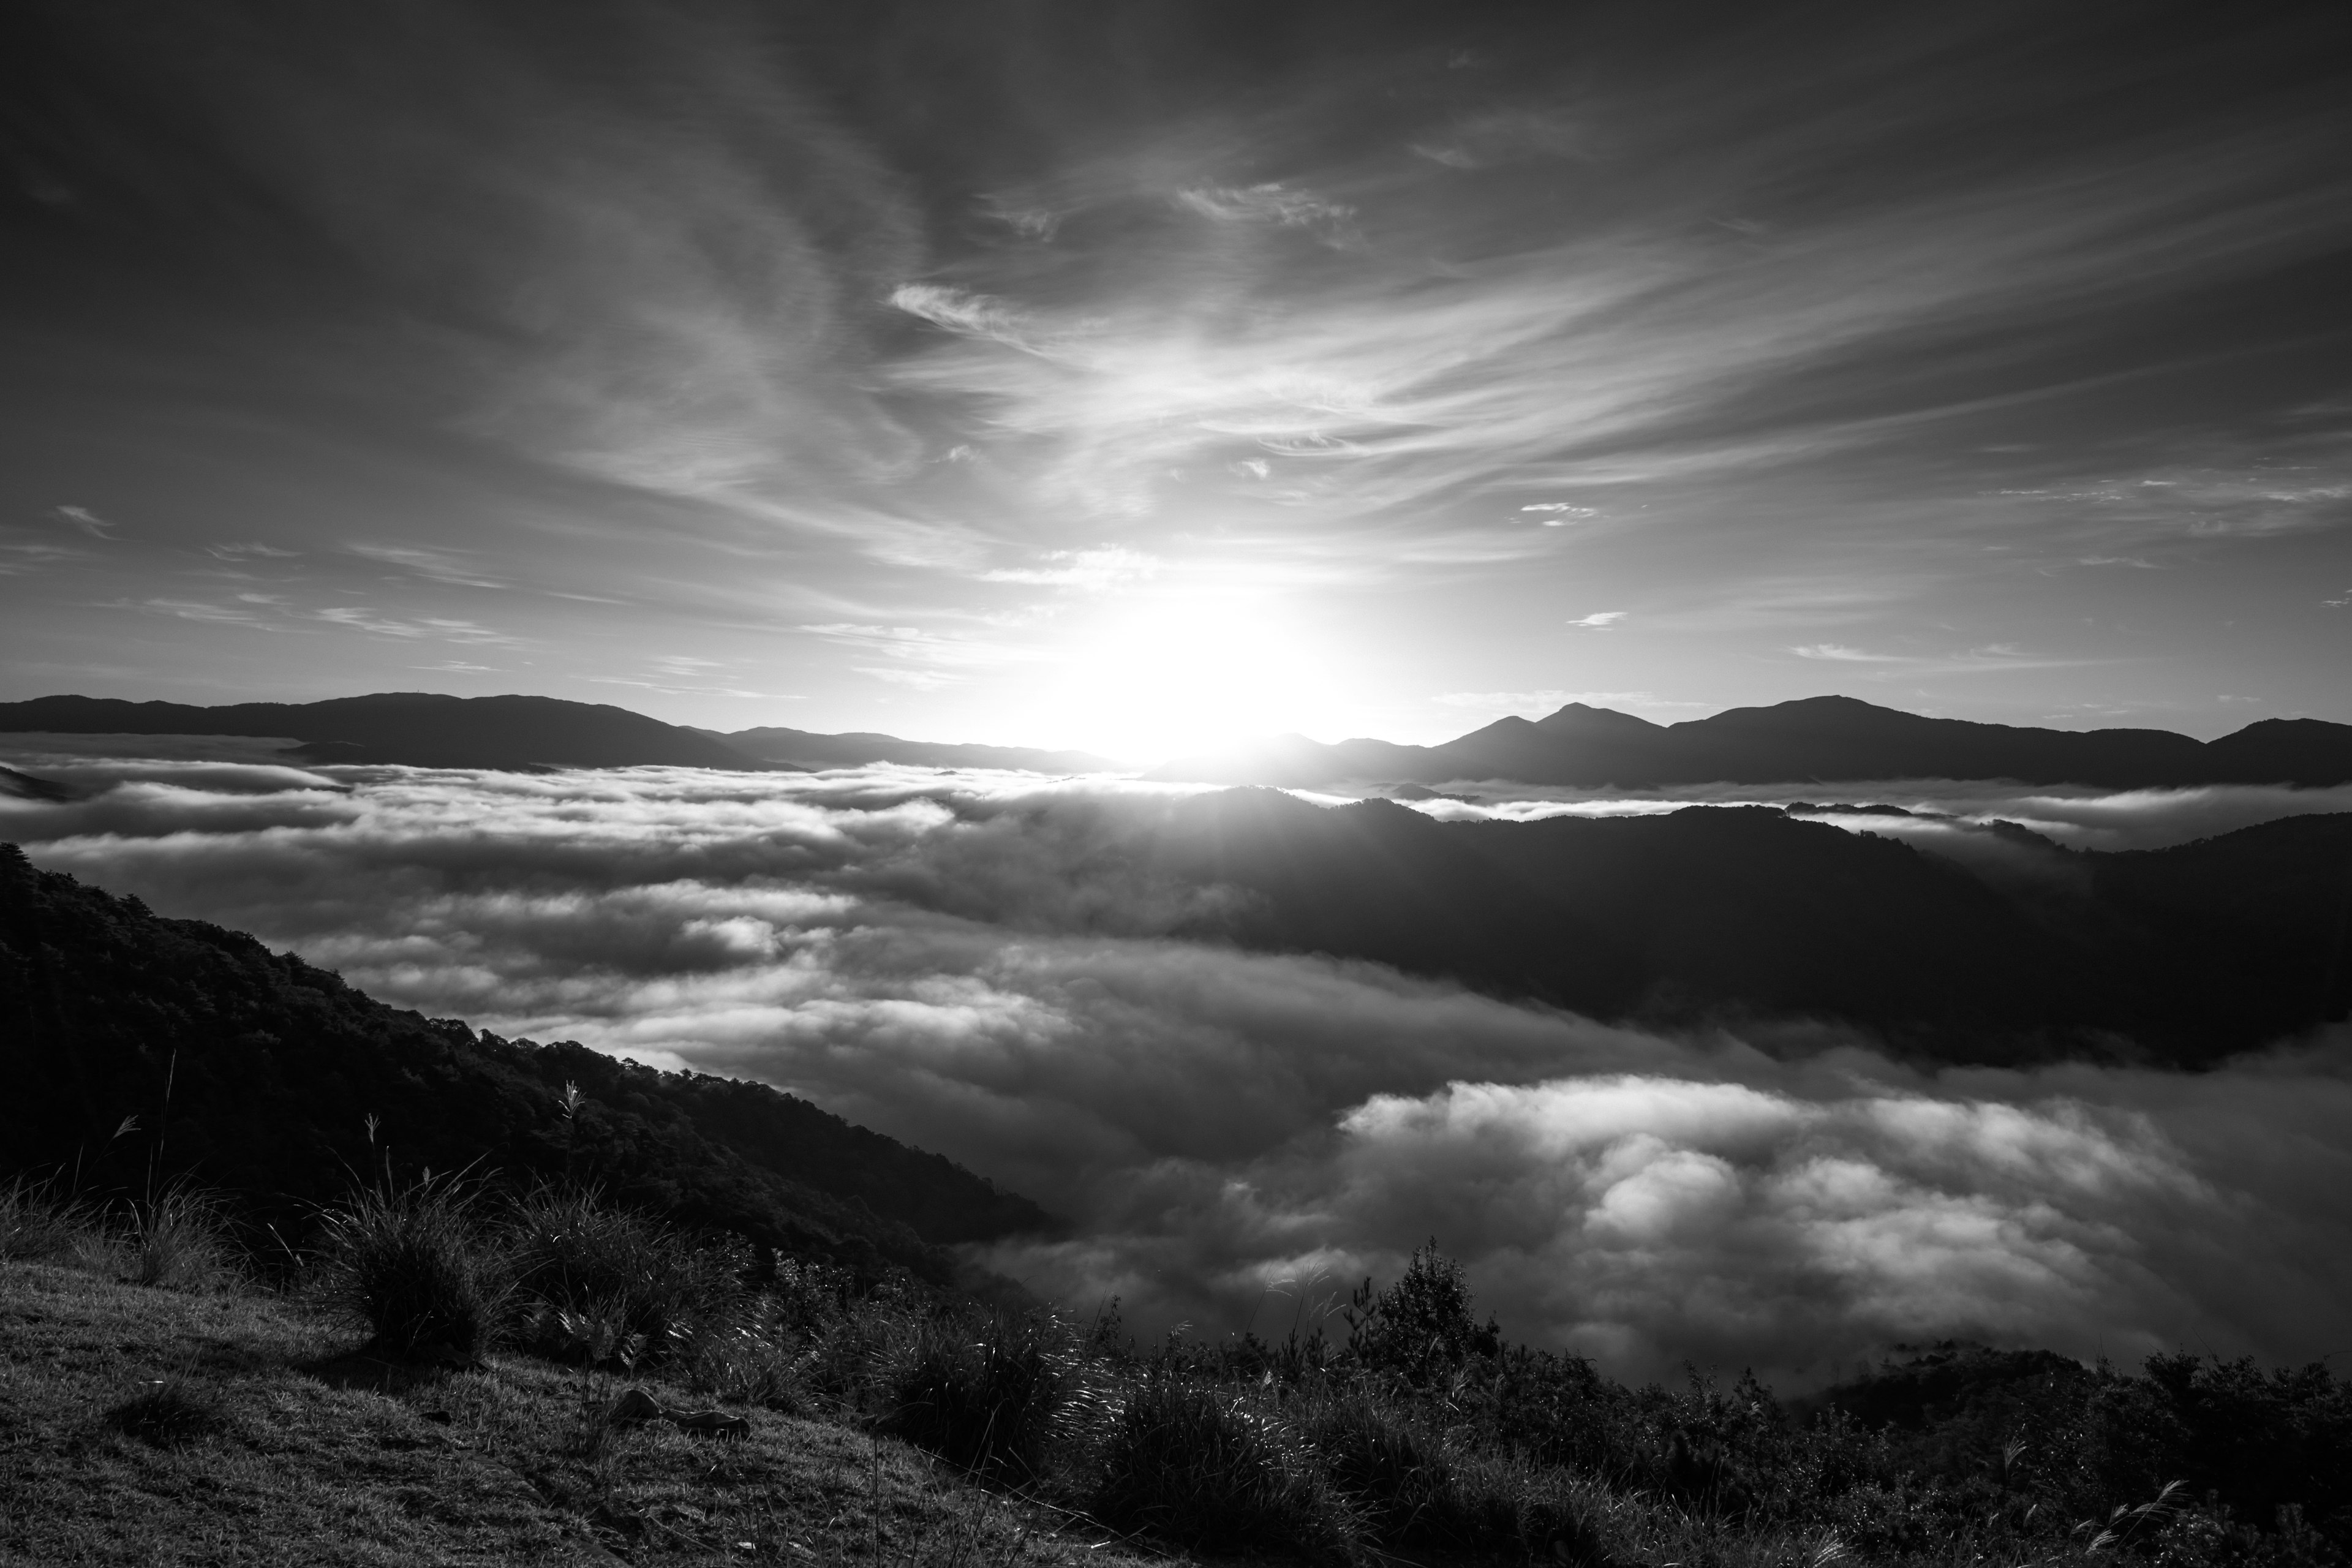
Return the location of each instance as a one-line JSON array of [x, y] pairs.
[[419, 729], [1747, 914], [429, 729], [855, 750], [1812, 740]]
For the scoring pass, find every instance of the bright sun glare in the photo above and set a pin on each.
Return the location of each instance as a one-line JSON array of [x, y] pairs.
[[1156, 679]]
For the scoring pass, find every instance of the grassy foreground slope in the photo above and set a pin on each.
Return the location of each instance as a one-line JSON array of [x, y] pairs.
[[233, 1425]]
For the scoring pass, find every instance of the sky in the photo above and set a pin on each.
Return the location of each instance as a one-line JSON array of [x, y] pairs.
[[969, 963], [1137, 376]]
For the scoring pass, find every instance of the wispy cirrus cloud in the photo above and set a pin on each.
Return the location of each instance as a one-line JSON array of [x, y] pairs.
[[1270, 203], [1986, 660], [1839, 653], [205, 612], [712, 318], [442, 628], [437, 565], [88, 521], [1082, 569], [22, 557]]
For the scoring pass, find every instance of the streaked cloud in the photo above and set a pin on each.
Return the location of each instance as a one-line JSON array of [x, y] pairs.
[[88, 521], [1082, 569], [1825, 333], [1270, 203], [439, 565], [1841, 654], [436, 627]]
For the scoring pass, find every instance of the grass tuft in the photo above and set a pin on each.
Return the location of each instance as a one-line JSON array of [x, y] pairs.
[[417, 1267], [983, 1394], [39, 1220], [738, 1360], [607, 1282], [1207, 1466], [179, 1241]]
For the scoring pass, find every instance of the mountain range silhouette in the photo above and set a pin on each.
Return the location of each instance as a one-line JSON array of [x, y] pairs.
[[1815, 739], [1821, 739], [427, 729]]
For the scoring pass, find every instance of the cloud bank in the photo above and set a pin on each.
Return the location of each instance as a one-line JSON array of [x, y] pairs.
[[973, 962]]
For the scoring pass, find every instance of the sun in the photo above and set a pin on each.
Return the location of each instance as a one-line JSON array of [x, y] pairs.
[[1167, 675]]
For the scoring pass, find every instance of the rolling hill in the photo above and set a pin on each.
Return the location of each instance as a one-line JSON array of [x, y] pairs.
[[254, 1071], [1749, 914]]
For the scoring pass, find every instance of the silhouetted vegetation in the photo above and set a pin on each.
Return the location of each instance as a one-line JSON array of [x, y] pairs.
[[1411, 1427]]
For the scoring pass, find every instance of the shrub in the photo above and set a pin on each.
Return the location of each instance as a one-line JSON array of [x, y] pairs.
[[38, 1221], [1421, 1326], [415, 1265], [179, 1240], [849, 1360], [1395, 1469], [1417, 1487], [983, 1394], [739, 1360], [1203, 1465], [624, 1275]]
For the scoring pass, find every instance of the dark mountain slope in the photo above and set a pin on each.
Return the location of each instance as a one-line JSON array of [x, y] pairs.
[[1381, 881], [1821, 739], [2251, 929], [274, 1067], [855, 750], [1747, 913], [417, 728]]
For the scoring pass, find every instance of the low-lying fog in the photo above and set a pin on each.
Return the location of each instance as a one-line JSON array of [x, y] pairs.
[[968, 962]]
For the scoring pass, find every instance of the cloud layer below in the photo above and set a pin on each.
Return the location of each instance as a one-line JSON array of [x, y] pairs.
[[969, 961]]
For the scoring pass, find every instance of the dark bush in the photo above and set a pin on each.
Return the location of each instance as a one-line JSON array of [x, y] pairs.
[[1396, 1469], [1209, 1466], [416, 1264], [983, 1392], [1421, 1327], [1416, 1486], [595, 1277]]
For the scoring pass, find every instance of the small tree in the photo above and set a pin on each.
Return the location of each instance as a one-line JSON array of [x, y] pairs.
[[1421, 1326]]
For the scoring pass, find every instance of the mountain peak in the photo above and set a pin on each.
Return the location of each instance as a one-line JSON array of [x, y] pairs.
[[1578, 717]]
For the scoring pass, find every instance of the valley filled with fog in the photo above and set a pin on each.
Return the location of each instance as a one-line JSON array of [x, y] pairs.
[[982, 965]]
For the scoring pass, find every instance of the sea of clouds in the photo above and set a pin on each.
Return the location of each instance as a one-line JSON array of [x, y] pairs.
[[980, 964]]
